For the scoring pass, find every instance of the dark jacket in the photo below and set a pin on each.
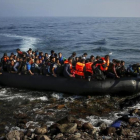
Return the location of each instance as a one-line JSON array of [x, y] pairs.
[[66, 71]]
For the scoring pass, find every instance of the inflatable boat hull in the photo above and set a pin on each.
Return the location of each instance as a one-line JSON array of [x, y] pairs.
[[123, 86]]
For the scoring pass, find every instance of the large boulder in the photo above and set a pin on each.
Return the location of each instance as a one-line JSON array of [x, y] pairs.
[[41, 130], [125, 132], [111, 130], [67, 128], [14, 135], [133, 120], [88, 126], [42, 137], [79, 124], [67, 119], [59, 136]]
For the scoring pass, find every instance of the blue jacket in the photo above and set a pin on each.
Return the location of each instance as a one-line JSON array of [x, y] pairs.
[[28, 66]]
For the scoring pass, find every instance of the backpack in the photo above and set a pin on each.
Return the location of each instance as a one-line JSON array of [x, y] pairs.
[[98, 74]]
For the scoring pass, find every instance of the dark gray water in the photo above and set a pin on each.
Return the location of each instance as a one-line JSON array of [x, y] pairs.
[[97, 36]]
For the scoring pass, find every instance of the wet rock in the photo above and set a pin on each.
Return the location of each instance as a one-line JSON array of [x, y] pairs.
[[79, 123], [29, 133], [60, 106], [125, 132], [136, 124], [74, 138], [111, 130], [92, 132], [68, 128], [102, 125], [42, 137], [135, 111], [133, 120], [53, 100], [67, 119], [44, 126], [40, 130], [54, 130], [24, 121], [20, 116], [77, 135], [14, 135], [88, 126], [59, 136]]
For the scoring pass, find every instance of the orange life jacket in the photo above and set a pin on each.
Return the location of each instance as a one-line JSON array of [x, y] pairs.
[[88, 67], [71, 69], [79, 69], [107, 63], [5, 58]]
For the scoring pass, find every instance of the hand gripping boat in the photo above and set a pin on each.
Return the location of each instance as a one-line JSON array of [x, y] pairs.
[[123, 86]]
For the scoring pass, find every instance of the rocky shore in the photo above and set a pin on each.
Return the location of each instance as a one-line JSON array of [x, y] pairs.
[[69, 128], [66, 119]]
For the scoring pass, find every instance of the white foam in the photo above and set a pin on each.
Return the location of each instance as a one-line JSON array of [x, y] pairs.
[[137, 106], [27, 42], [43, 98], [31, 123], [58, 96]]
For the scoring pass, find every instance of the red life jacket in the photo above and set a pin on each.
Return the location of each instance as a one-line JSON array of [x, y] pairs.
[[88, 67], [103, 65], [79, 69]]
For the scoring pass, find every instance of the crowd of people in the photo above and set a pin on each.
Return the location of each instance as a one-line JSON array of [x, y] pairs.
[[38, 63]]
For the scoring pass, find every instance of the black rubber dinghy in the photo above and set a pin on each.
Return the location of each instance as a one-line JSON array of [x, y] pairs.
[[122, 86]]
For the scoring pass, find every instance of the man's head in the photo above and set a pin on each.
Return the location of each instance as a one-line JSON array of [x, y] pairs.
[[37, 61], [74, 54], [59, 54], [29, 60], [70, 60], [92, 57], [53, 59], [85, 54], [17, 59], [46, 54], [20, 59], [12, 54], [107, 57], [5, 54], [118, 63], [83, 61], [52, 52], [98, 58], [122, 63], [18, 50], [57, 60]]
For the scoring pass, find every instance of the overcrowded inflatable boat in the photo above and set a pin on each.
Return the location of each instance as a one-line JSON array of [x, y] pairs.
[[123, 86]]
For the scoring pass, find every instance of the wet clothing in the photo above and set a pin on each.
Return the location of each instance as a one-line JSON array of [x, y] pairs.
[[35, 68], [22, 68], [20, 54], [16, 66], [73, 60], [10, 68], [101, 64], [28, 66], [67, 70], [61, 60]]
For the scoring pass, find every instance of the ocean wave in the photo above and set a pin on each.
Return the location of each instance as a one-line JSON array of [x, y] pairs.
[[26, 41], [99, 42]]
